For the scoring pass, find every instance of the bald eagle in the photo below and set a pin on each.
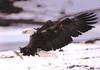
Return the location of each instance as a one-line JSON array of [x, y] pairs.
[[55, 35]]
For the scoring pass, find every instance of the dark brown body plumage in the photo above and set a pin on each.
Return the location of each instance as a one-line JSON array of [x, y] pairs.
[[52, 36]]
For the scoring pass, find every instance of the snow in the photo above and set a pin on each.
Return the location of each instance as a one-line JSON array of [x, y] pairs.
[[51, 9], [76, 56]]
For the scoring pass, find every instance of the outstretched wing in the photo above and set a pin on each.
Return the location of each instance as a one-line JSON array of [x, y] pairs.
[[79, 24], [68, 28]]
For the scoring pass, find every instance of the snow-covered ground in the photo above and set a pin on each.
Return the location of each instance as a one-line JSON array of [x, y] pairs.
[[76, 56]]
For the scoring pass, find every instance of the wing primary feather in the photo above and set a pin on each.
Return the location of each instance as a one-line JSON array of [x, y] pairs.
[[79, 24]]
